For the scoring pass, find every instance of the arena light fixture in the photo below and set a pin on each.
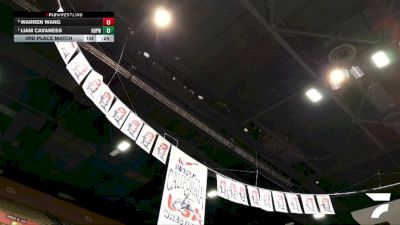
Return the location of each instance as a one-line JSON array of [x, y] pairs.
[[318, 216], [146, 54], [337, 77], [314, 95], [212, 194], [356, 72], [380, 59], [123, 146], [162, 17]]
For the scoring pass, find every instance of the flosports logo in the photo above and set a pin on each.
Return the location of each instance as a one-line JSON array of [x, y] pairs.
[[379, 197]]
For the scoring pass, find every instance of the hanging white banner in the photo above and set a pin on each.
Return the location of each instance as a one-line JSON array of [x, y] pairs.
[[184, 196], [79, 67], [66, 50], [92, 84], [294, 203], [118, 113], [254, 196], [279, 201], [103, 98], [132, 126], [237, 192], [222, 183], [325, 204], [309, 204], [161, 149], [266, 200], [146, 138]]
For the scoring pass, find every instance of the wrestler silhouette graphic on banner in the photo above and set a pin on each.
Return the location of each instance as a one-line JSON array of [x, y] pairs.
[[162, 149], [309, 204], [255, 197], [232, 191], [133, 127], [325, 204], [147, 140], [266, 200], [93, 86], [119, 114], [105, 100]]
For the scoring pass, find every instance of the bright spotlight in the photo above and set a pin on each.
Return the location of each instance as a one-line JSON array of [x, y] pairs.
[[380, 59], [337, 77], [146, 54], [162, 17], [123, 146], [314, 95], [212, 194], [318, 216]]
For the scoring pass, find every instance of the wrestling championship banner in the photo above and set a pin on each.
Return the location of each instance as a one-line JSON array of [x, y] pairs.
[[118, 113], [92, 84], [146, 138], [309, 205], [103, 98], [294, 203], [185, 185], [66, 50], [254, 196], [132, 126], [184, 196], [279, 201], [232, 190], [222, 189], [161, 149], [79, 67], [266, 200], [325, 204]]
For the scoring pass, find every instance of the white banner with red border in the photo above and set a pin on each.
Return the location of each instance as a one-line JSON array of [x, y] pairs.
[[185, 187]]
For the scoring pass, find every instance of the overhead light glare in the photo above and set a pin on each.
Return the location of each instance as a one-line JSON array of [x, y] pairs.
[[200, 97], [146, 54], [337, 77], [318, 216], [380, 59], [246, 129], [162, 17], [123, 146], [314, 95], [212, 194]]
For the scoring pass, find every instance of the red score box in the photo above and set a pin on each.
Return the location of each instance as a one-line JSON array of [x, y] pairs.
[[108, 21]]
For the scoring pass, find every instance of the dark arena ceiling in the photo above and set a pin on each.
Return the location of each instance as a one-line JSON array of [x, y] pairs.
[[251, 62]]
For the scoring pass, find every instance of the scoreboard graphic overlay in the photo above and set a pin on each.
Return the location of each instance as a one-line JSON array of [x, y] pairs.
[[64, 26]]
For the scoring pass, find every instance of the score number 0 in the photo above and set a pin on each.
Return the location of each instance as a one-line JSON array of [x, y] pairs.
[[108, 21]]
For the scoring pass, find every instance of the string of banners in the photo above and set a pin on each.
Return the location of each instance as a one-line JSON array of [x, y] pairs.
[[184, 196]]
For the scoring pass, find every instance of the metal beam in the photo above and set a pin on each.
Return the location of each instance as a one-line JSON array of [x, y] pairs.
[[328, 36], [268, 170], [253, 11], [285, 29], [358, 161], [287, 98]]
